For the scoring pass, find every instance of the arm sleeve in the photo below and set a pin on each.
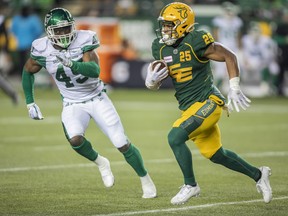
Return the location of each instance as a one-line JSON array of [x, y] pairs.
[[88, 69], [28, 86]]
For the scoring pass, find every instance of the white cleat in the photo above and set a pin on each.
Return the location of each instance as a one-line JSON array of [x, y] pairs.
[[105, 171], [148, 187], [185, 193], [263, 184]]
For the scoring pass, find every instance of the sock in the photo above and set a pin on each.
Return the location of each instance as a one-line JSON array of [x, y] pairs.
[[134, 158], [232, 161], [177, 138], [86, 150]]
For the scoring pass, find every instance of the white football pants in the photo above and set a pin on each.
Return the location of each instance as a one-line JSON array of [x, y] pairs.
[[76, 118]]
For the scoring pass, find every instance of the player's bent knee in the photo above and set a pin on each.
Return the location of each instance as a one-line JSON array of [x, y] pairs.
[[119, 139], [218, 156], [76, 141], [124, 148], [177, 136], [207, 155]]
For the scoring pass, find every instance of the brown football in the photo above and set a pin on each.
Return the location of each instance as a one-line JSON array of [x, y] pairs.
[[156, 62]]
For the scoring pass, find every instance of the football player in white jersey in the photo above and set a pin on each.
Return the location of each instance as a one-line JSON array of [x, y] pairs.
[[259, 59], [70, 58]]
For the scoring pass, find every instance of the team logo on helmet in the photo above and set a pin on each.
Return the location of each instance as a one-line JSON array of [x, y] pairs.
[[182, 11]]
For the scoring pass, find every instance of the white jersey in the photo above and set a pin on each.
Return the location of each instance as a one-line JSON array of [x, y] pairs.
[[260, 53], [228, 31], [73, 88], [263, 49]]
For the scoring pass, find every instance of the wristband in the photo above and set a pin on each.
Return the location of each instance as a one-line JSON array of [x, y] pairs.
[[234, 83], [30, 105]]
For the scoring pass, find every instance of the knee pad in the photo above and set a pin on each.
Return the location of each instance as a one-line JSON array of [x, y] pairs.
[[76, 141], [124, 148], [177, 136]]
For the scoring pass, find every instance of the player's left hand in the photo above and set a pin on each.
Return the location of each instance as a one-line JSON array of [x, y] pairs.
[[236, 98], [64, 60]]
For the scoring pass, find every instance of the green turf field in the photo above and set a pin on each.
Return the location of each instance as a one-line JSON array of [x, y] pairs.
[[41, 175]]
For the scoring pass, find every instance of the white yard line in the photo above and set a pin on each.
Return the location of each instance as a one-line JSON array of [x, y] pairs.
[[188, 207], [164, 160]]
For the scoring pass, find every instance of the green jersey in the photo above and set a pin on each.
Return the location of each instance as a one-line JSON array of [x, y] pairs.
[[190, 72]]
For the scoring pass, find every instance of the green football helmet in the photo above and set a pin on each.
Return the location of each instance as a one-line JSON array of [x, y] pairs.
[[60, 27]]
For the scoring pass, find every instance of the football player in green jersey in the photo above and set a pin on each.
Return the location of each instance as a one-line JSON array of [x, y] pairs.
[[188, 53]]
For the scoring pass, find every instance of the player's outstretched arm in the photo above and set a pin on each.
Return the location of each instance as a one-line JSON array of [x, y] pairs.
[[29, 69], [236, 98], [88, 67]]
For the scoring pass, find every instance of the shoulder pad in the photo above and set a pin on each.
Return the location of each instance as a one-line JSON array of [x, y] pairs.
[[87, 37], [39, 46]]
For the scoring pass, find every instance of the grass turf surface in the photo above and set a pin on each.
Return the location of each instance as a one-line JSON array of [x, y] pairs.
[[41, 175]]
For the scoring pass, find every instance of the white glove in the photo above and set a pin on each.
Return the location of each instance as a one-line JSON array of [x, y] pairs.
[[154, 77], [236, 97], [34, 111], [64, 60]]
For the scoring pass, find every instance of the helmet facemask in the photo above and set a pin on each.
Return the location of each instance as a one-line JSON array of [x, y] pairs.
[[61, 35], [167, 32]]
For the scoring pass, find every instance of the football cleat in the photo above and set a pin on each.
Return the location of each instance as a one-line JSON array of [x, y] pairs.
[[263, 184], [148, 187], [105, 171], [185, 193]]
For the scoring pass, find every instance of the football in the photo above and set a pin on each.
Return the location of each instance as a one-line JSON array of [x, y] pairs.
[[156, 62]]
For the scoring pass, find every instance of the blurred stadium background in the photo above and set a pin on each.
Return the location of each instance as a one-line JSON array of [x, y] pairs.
[[126, 30]]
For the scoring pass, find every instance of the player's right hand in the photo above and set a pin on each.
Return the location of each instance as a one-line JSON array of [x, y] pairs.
[[157, 74], [154, 77], [34, 111], [237, 99]]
